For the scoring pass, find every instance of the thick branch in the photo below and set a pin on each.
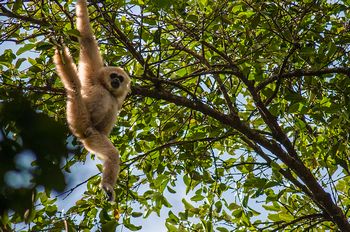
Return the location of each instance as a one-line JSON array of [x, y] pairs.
[[286, 173]]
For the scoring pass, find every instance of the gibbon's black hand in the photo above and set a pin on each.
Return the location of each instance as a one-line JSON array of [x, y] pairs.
[[95, 95], [109, 193]]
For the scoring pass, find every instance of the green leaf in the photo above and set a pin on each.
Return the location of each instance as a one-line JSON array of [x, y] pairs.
[[165, 202], [173, 217], [308, 51], [109, 226], [19, 62], [25, 48], [208, 226], [17, 5], [171, 227], [192, 18], [218, 206], [237, 213], [131, 226], [197, 198], [171, 190], [104, 216], [73, 32], [187, 204], [294, 108], [50, 210], [222, 229], [136, 214], [43, 46], [274, 217], [246, 14], [286, 217]]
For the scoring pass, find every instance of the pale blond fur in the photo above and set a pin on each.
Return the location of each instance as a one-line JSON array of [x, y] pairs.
[[95, 95]]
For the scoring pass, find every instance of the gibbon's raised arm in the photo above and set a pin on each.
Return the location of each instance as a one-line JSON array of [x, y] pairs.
[[90, 59]]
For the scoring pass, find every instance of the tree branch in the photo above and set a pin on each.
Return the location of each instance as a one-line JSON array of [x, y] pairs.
[[170, 144], [293, 222], [304, 73], [280, 73]]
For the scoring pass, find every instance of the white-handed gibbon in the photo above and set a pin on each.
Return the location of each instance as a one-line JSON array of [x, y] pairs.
[[95, 95]]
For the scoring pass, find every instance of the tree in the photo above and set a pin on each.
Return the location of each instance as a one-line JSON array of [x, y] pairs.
[[246, 101]]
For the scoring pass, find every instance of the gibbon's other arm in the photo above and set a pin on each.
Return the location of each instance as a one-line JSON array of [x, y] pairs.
[[67, 70], [90, 59], [77, 114]]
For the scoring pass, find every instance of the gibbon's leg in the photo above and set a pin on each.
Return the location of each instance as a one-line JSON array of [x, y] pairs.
[[99, 144], [77, 115], [90, 59]]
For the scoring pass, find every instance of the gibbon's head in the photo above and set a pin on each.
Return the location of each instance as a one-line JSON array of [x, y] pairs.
[[116, 80]]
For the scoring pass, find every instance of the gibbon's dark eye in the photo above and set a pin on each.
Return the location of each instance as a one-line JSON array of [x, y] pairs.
[[116, 79]]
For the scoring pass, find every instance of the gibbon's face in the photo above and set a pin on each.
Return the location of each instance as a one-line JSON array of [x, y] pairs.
[[116, 80]]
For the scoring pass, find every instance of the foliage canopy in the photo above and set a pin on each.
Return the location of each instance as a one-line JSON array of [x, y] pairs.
[[244, 102]]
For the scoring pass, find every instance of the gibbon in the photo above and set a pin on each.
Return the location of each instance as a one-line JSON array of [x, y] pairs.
[[95, 95]]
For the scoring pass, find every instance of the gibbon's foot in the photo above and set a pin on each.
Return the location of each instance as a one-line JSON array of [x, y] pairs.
[[109, 191]]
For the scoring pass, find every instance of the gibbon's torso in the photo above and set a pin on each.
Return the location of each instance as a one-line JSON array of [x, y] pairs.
[[102, 106]]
